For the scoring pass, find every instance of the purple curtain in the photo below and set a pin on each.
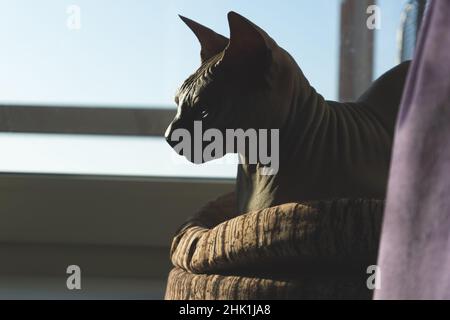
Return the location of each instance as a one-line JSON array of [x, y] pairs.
[[414, 257]]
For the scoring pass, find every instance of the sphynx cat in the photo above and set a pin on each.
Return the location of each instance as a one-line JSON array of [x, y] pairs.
[[327, 149]]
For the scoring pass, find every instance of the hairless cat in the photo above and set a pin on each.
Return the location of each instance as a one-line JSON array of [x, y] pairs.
[[327, 149]]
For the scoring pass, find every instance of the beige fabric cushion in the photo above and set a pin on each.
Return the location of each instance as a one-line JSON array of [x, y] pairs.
[[310, 250]]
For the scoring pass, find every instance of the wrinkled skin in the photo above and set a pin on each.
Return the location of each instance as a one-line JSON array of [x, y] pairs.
[[327, 149]]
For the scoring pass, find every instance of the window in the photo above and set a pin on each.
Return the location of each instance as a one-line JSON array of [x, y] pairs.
[[117, 75]]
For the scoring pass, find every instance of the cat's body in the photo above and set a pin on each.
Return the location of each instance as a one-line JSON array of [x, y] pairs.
[[327, 149], [330, 149]]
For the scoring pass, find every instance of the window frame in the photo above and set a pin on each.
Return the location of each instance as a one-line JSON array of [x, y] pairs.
[[85, 120]]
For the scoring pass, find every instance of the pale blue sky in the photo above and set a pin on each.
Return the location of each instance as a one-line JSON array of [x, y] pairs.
[[136, 53]]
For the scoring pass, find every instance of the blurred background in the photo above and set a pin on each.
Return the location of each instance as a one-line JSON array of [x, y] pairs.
[[86, 91]]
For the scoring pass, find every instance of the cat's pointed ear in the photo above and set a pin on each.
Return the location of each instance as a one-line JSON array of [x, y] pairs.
[[211, 42], [247, 40]]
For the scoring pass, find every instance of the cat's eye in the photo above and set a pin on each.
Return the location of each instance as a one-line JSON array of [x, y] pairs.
[[202, 112]]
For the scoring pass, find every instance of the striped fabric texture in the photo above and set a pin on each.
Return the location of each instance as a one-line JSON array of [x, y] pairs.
[[313, 250]]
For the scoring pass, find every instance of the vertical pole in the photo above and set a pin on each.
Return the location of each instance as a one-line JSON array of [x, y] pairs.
[[356, 49]]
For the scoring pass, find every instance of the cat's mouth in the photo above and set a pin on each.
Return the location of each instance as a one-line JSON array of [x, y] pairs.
[[187, 139], [171, 135], [188, 123]]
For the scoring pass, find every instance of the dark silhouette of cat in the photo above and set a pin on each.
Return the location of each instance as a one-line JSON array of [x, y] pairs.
[[327, 149]]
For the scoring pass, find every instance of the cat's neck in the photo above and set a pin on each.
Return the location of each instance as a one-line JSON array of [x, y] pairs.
[[255, 188]]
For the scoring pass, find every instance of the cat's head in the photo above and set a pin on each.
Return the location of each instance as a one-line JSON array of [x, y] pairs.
[[243, 82]]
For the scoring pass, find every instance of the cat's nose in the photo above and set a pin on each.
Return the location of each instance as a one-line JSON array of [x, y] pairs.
[[174, 125], [168, 135]]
